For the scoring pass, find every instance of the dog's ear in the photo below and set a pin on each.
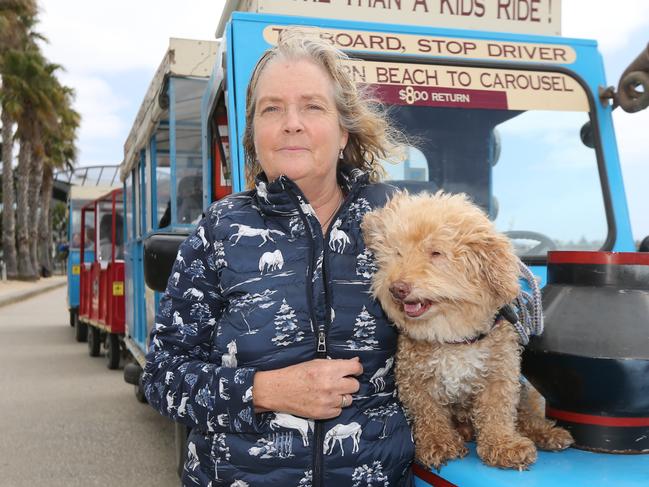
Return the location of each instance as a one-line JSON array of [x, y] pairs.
[[373, 228], [500, 267]]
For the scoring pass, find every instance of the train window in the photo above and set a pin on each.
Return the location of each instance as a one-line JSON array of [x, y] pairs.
[[138, 212], [147, 188], [105, 230], [118, 218], [188, 156], [547, 184], [128, 208], [220, 151], [75, 228], [507, 138], [144, 183], [75, 239], [162, 177], [88, 236]]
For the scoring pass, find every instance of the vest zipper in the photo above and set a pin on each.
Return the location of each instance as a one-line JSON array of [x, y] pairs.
[[318, 473], [323, 330], [321, 344]]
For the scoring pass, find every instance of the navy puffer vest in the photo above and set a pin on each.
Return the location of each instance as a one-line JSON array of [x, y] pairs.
[[258, 286]]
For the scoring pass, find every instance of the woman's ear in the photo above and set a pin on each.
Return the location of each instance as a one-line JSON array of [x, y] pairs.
[[344, 138]]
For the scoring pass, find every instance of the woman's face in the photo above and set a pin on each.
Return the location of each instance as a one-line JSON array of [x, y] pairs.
[[296, 128]]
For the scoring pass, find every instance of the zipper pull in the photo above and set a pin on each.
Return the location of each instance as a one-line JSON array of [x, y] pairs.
[[322, 344]]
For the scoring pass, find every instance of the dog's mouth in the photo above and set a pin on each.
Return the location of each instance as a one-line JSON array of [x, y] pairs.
[[414, 309]]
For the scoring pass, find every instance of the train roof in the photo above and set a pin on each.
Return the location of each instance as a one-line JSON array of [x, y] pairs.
[[183, 58], [89, 192]]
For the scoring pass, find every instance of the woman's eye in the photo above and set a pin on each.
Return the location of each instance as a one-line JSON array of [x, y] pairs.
[[314, 107], [269, 109]]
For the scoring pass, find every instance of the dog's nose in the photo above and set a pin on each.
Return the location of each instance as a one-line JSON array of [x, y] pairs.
[[400, 289]]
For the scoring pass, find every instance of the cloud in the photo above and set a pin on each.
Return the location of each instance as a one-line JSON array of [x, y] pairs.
[[631, 134], [98, 104], [611, 23], [98, 41], [89, 36]]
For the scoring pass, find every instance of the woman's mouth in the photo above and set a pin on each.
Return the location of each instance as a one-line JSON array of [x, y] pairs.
[[293, 149]]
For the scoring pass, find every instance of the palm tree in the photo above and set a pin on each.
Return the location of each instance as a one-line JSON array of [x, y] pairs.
[[47, 123], [29, 78], [60, 151], [8, 195], [16, 19]]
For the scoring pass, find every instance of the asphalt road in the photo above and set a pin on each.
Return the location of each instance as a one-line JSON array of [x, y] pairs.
[[65, 419]]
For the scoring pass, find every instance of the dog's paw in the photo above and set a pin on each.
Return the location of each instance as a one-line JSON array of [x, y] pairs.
[[437, 453], [509, 452], [554, 439]]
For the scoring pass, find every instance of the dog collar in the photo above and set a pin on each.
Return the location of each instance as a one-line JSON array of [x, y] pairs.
[[469, 341], [506, 312]]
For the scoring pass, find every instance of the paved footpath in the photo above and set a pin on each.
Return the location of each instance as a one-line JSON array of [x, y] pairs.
[[65, 419]]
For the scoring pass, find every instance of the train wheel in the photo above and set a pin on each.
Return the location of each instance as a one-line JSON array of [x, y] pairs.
[[94, 341], [113, 353], [139, 393], [181, 432], [81, 331]]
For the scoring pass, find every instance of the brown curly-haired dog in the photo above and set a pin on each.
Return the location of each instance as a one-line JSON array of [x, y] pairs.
[[443, 274]]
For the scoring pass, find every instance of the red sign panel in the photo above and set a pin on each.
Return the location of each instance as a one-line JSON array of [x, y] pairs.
[[440, 97]]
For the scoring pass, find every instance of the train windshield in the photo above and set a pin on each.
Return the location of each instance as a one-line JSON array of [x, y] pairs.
[[508, 138], [75, 222]]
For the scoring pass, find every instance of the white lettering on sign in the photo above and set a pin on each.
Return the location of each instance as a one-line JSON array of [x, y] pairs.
[[411, 96], [359, 41], [523, 16]]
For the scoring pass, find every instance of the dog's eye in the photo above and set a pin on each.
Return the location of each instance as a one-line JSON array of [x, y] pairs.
[[435, 254]]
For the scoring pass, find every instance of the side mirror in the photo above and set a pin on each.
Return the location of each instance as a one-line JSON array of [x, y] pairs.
[[160, 251], [586, 135]]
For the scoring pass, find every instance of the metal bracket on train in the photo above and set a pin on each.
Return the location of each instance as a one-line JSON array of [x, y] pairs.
[[633, 89]]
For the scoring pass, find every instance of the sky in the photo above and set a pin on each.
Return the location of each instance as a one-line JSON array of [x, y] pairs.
[[110, 51]]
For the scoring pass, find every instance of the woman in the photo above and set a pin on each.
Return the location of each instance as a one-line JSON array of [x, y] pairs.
[[268, 343]]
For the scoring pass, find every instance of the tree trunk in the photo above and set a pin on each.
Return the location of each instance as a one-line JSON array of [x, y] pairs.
[[25, 269], [44, 222], [8, 198], [35, 180]]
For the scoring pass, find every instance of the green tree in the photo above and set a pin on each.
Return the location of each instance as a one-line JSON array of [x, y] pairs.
[[30, 79], [16, 19], [60, 151]]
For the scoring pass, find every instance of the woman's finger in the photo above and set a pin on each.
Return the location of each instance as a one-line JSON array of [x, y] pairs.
[[348, 385]]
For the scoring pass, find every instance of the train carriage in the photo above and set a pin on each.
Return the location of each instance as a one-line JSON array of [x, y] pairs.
[[163, 179], [78, 196], [497, 106], [509, 113], [101, 306]]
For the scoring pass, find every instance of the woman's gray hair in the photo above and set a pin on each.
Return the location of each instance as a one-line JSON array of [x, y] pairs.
[[371, 136]]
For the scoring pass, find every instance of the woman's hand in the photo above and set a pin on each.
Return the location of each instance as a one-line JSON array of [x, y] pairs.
[[313, 389]]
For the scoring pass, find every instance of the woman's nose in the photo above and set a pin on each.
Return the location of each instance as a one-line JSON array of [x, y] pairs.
[[292, 121]]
